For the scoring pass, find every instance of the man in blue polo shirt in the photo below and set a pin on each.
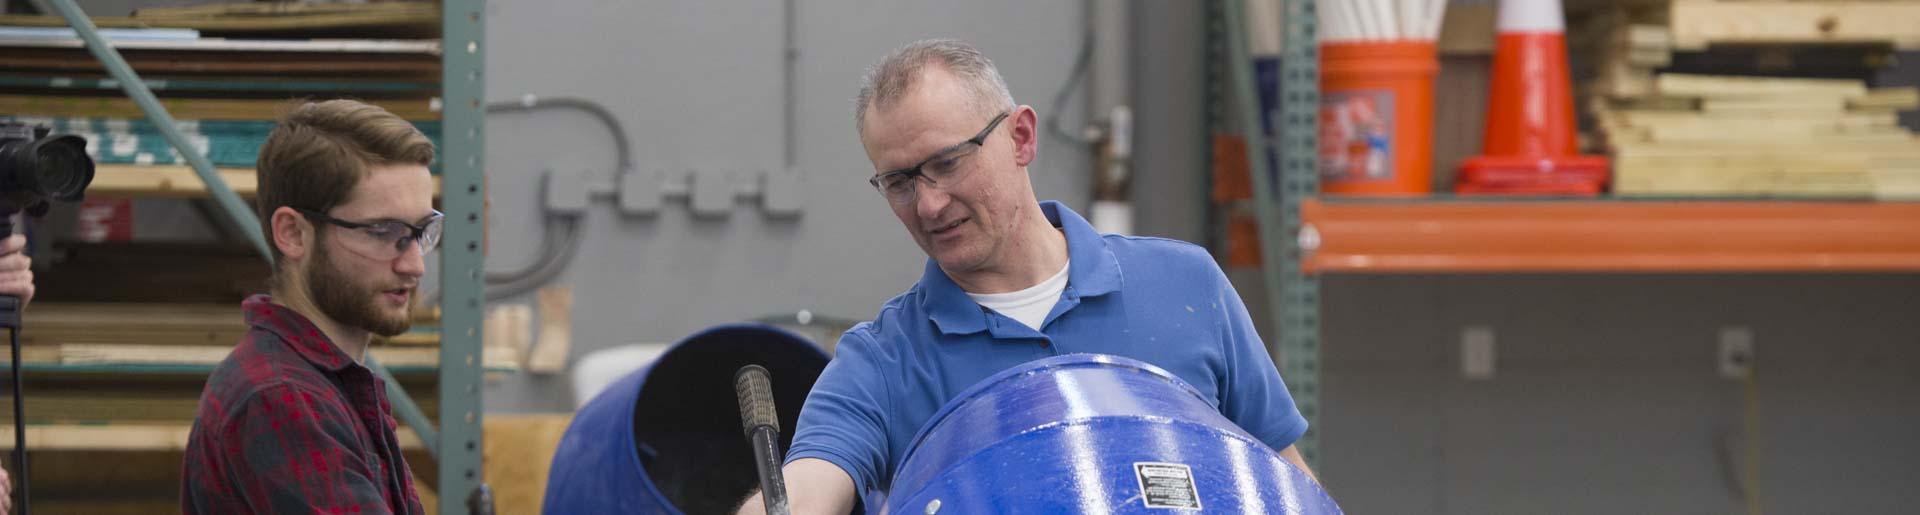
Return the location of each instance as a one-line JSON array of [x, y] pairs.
[[1009, 280]]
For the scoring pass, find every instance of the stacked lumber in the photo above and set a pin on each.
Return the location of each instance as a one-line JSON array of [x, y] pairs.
[[223, 131], [1695, 24], [1759, 136], [223, 91], [391, 19], [174, 325], [1690, 98]]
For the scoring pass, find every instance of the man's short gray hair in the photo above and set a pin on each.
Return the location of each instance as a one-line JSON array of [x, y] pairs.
[[895, 76]]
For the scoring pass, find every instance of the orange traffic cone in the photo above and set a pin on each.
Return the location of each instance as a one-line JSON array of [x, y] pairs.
[[1530, 141]]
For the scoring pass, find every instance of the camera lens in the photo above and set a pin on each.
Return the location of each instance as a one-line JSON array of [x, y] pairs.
[[61, 167]]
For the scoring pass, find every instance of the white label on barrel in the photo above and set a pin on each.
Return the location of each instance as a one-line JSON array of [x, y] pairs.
[[1166, 485]]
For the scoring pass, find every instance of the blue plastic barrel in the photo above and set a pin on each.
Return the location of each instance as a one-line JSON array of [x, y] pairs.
[[666, 439], [1089, 433]]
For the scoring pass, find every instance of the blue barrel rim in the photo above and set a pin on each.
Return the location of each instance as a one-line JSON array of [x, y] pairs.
[[626, 409], [1076, 360]]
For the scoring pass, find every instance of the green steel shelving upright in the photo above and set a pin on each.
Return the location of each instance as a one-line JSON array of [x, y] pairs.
[[462, 270], [1293, 297]]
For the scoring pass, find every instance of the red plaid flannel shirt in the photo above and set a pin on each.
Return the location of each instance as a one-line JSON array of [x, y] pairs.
[[290, 424]]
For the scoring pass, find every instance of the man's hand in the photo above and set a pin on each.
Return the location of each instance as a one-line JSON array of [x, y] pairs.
[[1293, 456], [16, 278], [815, 487], [6, 492]]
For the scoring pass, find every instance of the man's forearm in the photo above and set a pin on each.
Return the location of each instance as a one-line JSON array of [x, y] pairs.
[[815, 487]]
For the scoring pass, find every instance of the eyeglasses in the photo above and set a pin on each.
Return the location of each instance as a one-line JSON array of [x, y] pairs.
[[899, 186], [387, 239]]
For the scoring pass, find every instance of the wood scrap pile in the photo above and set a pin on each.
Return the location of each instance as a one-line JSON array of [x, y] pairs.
[[1750, 136], [1746, 97], [387, 19]]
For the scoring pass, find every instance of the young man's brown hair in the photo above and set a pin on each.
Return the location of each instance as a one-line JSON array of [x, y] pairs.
[[319, 151]]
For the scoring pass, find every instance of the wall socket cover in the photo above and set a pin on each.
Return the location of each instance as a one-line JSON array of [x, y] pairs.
[[1736, 352], [1477, 352]]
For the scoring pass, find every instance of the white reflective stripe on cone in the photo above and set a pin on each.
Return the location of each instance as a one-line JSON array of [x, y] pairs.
[[1531, 16]]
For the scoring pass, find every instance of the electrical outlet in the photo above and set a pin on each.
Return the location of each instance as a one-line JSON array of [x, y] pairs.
[[1736, 352], [1477, 352]]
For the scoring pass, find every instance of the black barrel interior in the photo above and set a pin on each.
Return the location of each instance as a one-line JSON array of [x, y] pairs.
[[686, 421]]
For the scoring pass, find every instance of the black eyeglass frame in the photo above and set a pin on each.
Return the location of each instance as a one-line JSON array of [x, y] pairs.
[[415, 233], [913, 173]]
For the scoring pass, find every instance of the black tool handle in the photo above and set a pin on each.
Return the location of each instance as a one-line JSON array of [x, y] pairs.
[[762, 423]]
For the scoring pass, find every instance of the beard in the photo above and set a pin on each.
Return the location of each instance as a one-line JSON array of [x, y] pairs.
[[348, 302]]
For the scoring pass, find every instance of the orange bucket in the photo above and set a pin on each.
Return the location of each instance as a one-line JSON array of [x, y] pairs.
[[1376, 117]]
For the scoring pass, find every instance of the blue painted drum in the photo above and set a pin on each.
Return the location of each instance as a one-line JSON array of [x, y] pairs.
[[1089, 433], [666, 439]]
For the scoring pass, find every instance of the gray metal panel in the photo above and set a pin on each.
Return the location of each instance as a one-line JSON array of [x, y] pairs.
[[698, 85], [462, 260], [1606, 398], [1169, 180]]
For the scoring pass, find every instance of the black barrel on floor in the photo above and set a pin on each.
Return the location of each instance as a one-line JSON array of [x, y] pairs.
[[666, 439]]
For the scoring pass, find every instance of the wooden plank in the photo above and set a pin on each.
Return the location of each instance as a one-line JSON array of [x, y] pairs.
[[183, 109], [1468, 29], [1774, 104], [1782, 151], [77, 354], [231, 46], [124, 437], [125, 404], [1695, 24], [173, 181], [405, 17], [1886, 100], [551, 350], [519, 450], [1899, 185], [1640, 45], [1772, 135], [164, 181], [1620, 79], [1667, 118], [1757, 185], [173, 324], [390, 66], [163, 84], [1713, 86], [1736, 166]]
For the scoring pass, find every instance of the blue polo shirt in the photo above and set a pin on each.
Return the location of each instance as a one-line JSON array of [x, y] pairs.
[[1156, 300]]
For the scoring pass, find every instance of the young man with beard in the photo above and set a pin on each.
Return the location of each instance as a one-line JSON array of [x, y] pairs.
[[1008, 280], [291, 422]]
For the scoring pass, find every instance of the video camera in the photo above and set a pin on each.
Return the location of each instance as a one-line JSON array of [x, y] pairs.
[[36, 167]]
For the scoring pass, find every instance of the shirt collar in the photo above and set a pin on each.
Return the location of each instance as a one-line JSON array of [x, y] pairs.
[[296, 331], [1093, 272]]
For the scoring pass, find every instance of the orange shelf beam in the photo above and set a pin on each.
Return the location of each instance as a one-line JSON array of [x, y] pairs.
[[1610, 236]]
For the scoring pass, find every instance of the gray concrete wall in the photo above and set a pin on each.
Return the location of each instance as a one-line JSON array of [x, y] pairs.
[[1606, 397], [698, 86]]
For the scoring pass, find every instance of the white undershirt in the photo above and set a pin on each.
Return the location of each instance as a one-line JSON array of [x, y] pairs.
[[1029, 306]]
